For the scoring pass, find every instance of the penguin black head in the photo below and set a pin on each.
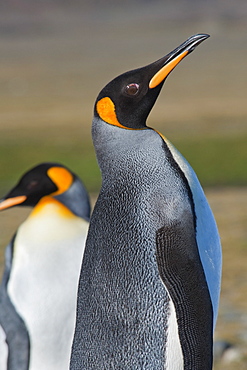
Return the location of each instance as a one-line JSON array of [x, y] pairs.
[[49, 179], [127, 100]]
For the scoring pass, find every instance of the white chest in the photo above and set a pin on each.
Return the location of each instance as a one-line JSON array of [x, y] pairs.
[[43, 284]]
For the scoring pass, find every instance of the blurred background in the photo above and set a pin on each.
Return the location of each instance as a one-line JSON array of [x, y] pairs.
[[55, 57]]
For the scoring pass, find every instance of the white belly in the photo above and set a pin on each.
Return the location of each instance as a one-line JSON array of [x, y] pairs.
[[174, 355], [43, 285]]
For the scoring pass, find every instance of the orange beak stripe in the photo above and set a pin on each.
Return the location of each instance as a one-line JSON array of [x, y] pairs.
[[164, 71], [10, 202]]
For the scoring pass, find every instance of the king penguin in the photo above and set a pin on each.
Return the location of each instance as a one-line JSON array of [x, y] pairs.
[[150, 279], [42, 267]]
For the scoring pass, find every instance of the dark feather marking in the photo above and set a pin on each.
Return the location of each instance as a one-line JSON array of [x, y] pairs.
[[182, 273]]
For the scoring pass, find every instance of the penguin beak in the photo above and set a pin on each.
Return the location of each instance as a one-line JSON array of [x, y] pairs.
[[11, 202], [168, 63]]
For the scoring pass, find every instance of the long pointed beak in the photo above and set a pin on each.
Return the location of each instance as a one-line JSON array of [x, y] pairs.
[[171, 60], [10, 202]]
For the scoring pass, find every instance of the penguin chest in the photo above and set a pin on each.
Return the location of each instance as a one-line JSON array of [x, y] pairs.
[[43, 284], [132, 311]]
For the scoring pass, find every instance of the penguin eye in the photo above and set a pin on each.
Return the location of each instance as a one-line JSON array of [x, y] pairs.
[[132, 89], [32, 185]]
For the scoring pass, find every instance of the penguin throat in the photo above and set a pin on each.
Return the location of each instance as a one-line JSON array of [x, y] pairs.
[[51, 205]]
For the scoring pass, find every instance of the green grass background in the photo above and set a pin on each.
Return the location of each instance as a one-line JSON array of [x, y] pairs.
[[218, 161]]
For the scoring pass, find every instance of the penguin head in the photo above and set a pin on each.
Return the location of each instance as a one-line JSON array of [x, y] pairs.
[[49, 179], [127, 100]]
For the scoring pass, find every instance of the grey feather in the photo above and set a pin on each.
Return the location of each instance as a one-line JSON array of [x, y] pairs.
[[17, 337]]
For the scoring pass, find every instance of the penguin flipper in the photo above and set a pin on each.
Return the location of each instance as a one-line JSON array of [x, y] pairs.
[[16, 334], [181, 272]]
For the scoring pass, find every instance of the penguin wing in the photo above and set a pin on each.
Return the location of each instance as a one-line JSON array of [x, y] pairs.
[[16, 335], [207, 236], [181, 271]]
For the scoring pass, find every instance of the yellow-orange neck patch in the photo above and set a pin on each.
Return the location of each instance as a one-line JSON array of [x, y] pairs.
[[164, 71], [57, 206], [161, 135], [61, 177]]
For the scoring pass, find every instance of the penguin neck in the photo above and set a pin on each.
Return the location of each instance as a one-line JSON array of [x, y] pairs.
[[76, 200], [50, 205], [113, 145]]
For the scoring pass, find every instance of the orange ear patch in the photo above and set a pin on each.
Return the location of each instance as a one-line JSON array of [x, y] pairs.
[[61, 177], [106, 110]]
